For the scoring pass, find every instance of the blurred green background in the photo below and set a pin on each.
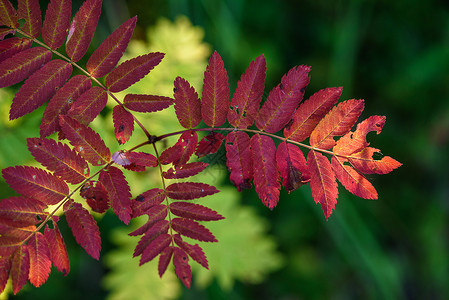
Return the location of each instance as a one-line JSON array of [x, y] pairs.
[[393, 54]]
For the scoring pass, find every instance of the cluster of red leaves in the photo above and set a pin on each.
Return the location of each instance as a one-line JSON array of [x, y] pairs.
[[29, 245]]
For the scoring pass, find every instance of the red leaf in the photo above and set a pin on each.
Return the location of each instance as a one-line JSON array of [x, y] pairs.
[[239, 161], [118, 192], [23, 64], [123, 124], [107, 55], [20, 268], [36, 183], [154, 230], [96, 196], [194, 251], [209, 144], [248, 95], [292, 166], [187, 104], [21, 234], [21, 212], [322, 182], [164, 260], [155, 214], [61, 102], [60, 159], [352, 180], [283, 100], [189, 190], [40, 87], [56, 23], [58, 251], [185, 171], [8, 245], [182, 267], [4, 31], [146, 200], [364, 162], [336, 123], [170, 154], [131, 71], [187, 141], [155, 247], [86, 141], [82, 29], [266, 176], [84, 228], [147, 103], [12, 46], [142, 159], [40, 263], [194, 211], [8, 15], [215, 92], [310, 113], [5, 267], [192, 230], [30, 11], [89, 105]]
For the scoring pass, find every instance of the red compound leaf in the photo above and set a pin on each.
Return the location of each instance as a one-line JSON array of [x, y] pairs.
[[187, 104], [187, 142], [189, 190], [185, 171], [89, 105], [155, 214], [147, 103], [215, 99], [164, 260], [171, 154], [56, 23], [194, 251], [12, 46], [20, 268], [239, 160], [209, 144], [182, 267], [248, 95], [123, 124], [292, 166], [58, 250], [84, 228], [192, 230], [364, 162], [30, 11], [40, 262], [142, 159], [153, 228], [8, 15], [146, 200], [155, 248], [21, 212], [96, 196], [194, 211]]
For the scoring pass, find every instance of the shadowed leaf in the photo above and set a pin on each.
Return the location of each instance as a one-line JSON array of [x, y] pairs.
[[239, 161], [8, 15], [12, 46], [292, 166], [209, 144], [192, 230], [189, 190], [56, 23], [30, 11], [194, 211]]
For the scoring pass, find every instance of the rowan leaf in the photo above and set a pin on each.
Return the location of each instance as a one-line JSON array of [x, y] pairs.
[[192, 230], [182, 267], [5, 31], [322, 182], [164, 260], [187, 104], [85, 141], [40, 263], [5, 267], [82, 29], [155, 247], [61, 102], [194, 211], [36, 183], [215, 98], [58, 250], [189, 190], [239, 160], [20, 233], [266, 176], [123, 124], [188, 142], [131, 71], [12, 46], [292, 166], [364, 162], [248, 95], [21, 212], [336, 123], [170, 154], [56, 23], [152, 231], [155, 214], [84, 228], [20, 268], [283, 100], [96, 196], [40, 87], [194, 251], [24, 63], [184, 171], [146, 200], [60, 159], [30, 11], [142, 159], [310, 113], [118, 192], [209, 144], [88, 105], [146, 103], [8, 15], [107, 55]]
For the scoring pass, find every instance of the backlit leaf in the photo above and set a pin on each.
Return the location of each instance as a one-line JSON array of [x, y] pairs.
[[20, 268], [40, 263], [88, 105], [146, 200], [194, 211], [155, 247], [292, 166], [123, 124], [187, 104], [56, 23], [189, 190], [184, 171], [12, 46], [182, 267], [364, 162], [21, 212], [30, 11], [8, 15], [192, 230], [58, 250], [8, 245], [146, 103], [194, 251], [238, 159], [209, 144]]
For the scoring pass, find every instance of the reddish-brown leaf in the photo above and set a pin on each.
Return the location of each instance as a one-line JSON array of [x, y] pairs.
[[283, 100], [85, 141], [266, 175], [310, 113], [147, 103], [188, 142], [215, 99], [56, 23], [189, 190], [40, 87], [187, 104], [12, 46], [60, 159], [352, 180], [20, 268], [82, 29], [209, 144], [4, 31], [40, 263], [21, 212], [142, 159], [123, 124], [364, 162], [36, 183], [96, 196], [30, 11], [192, 230], [118, 192], [292, 166], [19, 233], [153, 230], [21, 65], [239, 160], [164, 260], [131, 71], [89, 105], [8, 245], [182, 267], [61, 102], [248, 95], [84, 228], [170, 154], [194, 211], [336, 123], [146, 200], [107, 55], [194, 251], [8, 15], [155, 214], [322, 182], [58, 250], [155, 247], [5, 267], [185, 171]]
